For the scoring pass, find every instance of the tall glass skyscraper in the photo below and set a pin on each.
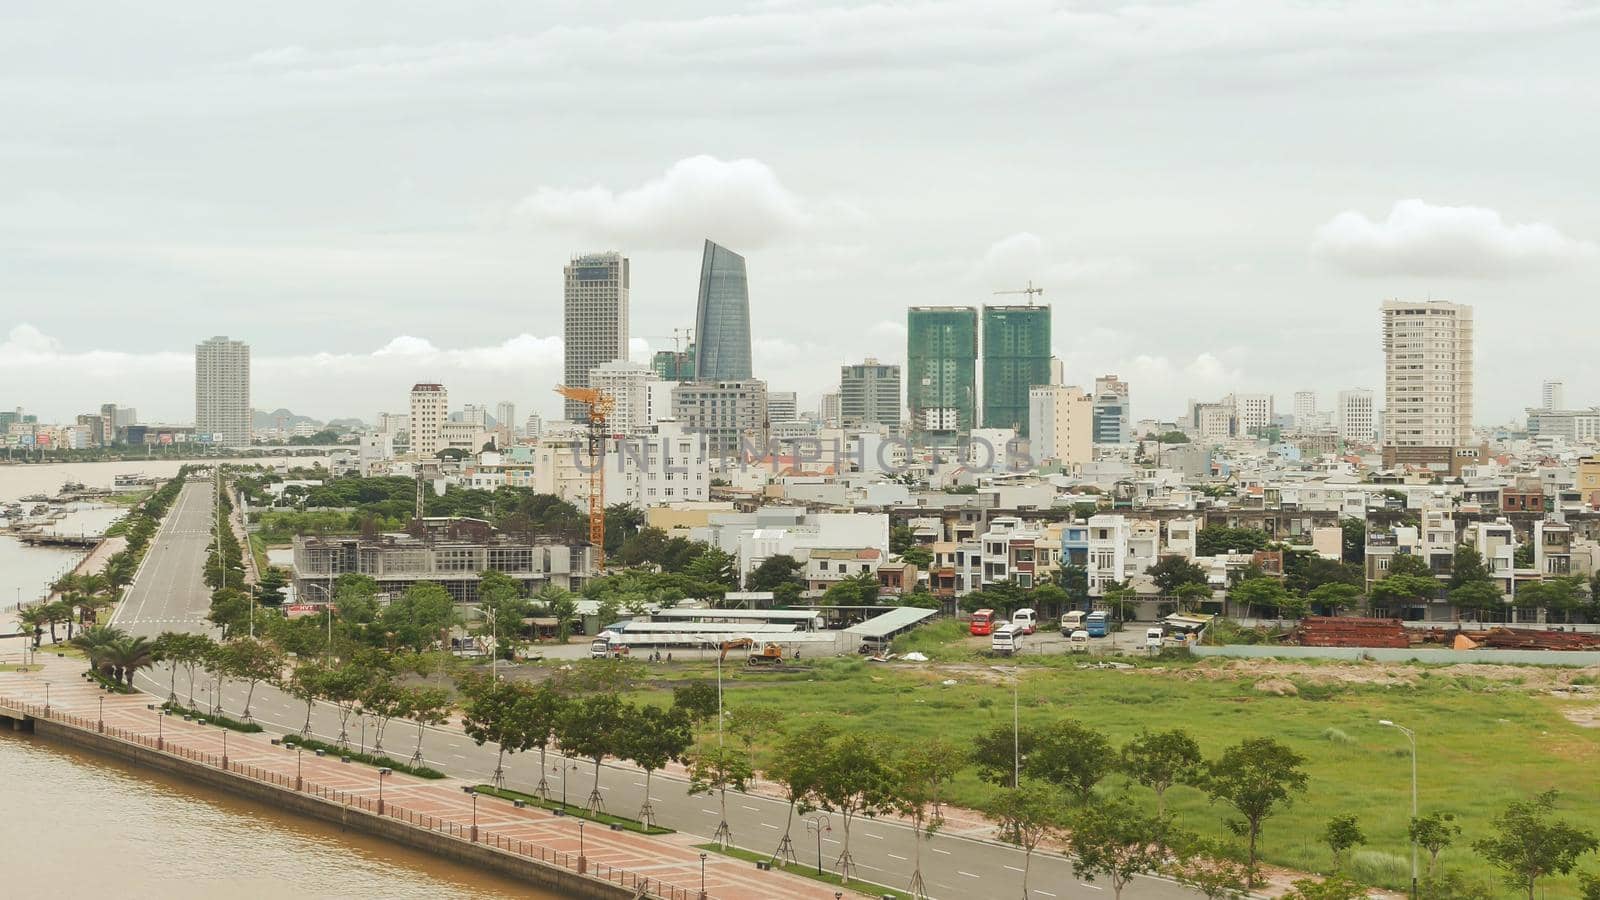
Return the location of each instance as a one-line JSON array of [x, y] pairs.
[[722, 318]]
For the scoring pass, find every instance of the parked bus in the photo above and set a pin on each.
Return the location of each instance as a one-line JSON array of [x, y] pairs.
[[1098, 624], [1007, 640], [1072, 621], [1024, 619], [982, 622]]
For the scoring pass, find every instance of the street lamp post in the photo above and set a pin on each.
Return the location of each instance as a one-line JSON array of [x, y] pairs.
[[583, 861], [383, 773], [1412, 737], [468, 790], [224, 748], [161, 729], [100, 724], [819, 823], [299, 752], [702, 876], [47, 698]]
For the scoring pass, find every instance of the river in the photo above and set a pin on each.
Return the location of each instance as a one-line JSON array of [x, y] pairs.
[[80, 825]]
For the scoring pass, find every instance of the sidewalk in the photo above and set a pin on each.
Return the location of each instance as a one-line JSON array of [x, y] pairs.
[[668, 865]]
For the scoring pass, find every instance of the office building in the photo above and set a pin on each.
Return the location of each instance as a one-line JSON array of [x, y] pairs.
[[595, 317], [1357, 419], [222, 391], [430, 408], [782, 407], [628, 386], [1252, 413], [1061, 425], [725, 412], [1113, 411], [829, 409], [1554, 395], [869, 394], [722, 317], [474, 414], [505, 420], [1427, 382], [1305, 409], [1016, 357], [941, 370]]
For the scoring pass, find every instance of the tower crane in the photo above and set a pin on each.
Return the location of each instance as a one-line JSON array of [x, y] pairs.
[[1030, 290], [599, 404]]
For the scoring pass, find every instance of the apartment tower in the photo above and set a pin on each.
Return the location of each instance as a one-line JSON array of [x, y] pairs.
[[869, 394], [222, 391], [1427, 382], [941, 370], [430, 407], [595, 315], [1016, 358]]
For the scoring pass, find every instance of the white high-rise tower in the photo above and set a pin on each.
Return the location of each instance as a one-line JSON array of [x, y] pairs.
[[1427, 374], [222, 391]]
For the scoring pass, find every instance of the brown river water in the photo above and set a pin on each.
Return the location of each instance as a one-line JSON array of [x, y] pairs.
[[75, 824]]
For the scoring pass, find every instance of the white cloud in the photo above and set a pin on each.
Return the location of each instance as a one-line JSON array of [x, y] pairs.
[[1013, 261], [740, 202], [1444, 241]]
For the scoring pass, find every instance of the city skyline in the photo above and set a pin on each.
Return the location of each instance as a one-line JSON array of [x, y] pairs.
[[443, 227]]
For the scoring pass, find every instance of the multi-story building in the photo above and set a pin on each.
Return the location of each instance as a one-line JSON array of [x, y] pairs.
[[1252, 413], [222, 391], [1061, 424], [1427, 382], [941, 370], [628, 386], [1016, 357], [430, 408], [505, 419], [674, 365], [829, 409], [1212, 421], [722, 317], [1113, 411], [1107, 559], [1009, 552], [782, 407], [1305, 408], [724, 411], [1588, 480], [1572, 425], [472, 414], [595, 318], [534, 427], [869, 394], [1357, 422], [1554, 395]]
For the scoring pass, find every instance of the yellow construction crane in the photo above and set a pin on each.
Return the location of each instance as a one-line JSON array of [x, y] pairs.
[[1030, 290], [599, 404]]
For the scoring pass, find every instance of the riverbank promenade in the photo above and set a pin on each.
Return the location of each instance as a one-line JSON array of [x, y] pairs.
[[668, 866]]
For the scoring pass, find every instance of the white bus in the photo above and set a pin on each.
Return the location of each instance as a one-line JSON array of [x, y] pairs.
[[1006, 640]]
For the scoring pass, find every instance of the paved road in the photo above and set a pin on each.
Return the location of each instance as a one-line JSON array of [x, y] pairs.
[[170, 592], [169, 595]]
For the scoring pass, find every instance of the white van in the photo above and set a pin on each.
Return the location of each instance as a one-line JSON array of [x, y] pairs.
[[1006, 640], [1071, 622], [1079, 641], [1153, 638], [1024, 619]]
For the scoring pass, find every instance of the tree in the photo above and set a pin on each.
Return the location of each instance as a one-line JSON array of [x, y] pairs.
[[793, 765], [188, 651], [343, 687], [922, 771], [306, 684], [418, 618], [1260, 593], [1027, 814], [1255, 777], [251, 661], [127, 655], [1409, 564], [901, 539], [1589, 885], [1116, 840], [383, 700], [1467, 567], [717, 769], [594, 728], [1071, 756], [775, 571], [1479, 596], [656, 737], [855, 778], [560, 605], [995, 752], [1433, 833], [1173, 572], [715, 573], [1215, 539], [492, 714], [1334, 887], [1522, 557], [541, 712], [1334, 596], [1159, 760], [1340, 834], [1117, 595], [1530, 844], [1353, 545], [921, 557], [1216, 870], [698, 699], [426, 706]]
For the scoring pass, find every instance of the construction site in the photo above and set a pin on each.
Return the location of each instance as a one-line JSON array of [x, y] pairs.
[[1327, 631]]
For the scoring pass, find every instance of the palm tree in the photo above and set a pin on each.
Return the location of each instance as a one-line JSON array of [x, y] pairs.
[[33, 619], [65, 584], [128, 655], [55, 614], [96, 643], [118, 572], [94, 584]]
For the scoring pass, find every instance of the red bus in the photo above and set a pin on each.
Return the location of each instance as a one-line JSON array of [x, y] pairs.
[[982, 622]]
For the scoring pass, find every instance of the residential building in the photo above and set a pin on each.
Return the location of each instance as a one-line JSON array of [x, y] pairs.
[[829, 409], [782, 406], [1305, 408], [1009, 552], [472, 414], [1016, 357], [1252, 413], [430, 406], [1356, 418], [469, 437], [1107, 560], [1113, 411], [1588, 480], [505, 420], [726, 412], [533, 427], [1061, 423], [941, 370], [628, 386], [827, 566], [1554, 395], [869, 394], [1212, 421], [722, 317], [222, 391], [1428, 376], [595, 318]]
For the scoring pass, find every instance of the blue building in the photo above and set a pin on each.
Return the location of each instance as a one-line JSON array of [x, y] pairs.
[[722, 317]]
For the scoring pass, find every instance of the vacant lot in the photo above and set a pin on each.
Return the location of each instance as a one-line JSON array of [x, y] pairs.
[[1488, 734]]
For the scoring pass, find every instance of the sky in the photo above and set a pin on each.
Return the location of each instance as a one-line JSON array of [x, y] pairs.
[[1215, 195]]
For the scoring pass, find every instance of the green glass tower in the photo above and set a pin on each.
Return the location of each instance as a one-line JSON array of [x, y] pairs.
[[941, 371], [1016, 357]]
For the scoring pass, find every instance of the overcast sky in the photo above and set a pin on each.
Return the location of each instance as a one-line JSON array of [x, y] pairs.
[[1215, 195]]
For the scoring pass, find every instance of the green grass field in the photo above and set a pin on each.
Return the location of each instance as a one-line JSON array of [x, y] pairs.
[[1483, 740]]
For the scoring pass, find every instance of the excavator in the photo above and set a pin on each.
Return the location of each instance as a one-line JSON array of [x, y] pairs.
[[767, 654]]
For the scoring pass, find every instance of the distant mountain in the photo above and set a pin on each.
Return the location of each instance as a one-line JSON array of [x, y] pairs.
[[283, 417], [347, 423]]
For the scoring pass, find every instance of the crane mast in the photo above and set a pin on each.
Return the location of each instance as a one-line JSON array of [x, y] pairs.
[[599, 404]]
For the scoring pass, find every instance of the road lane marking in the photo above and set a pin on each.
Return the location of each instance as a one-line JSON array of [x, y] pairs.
[[752, 809], [1092, 887], [1046, 893], [1012, 868], [894, 856], [968, 874], [937, 850], [767, 825], [709, 812], [876, 837]]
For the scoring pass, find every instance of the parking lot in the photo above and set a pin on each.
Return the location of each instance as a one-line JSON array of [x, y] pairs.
[[1047, 639]]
